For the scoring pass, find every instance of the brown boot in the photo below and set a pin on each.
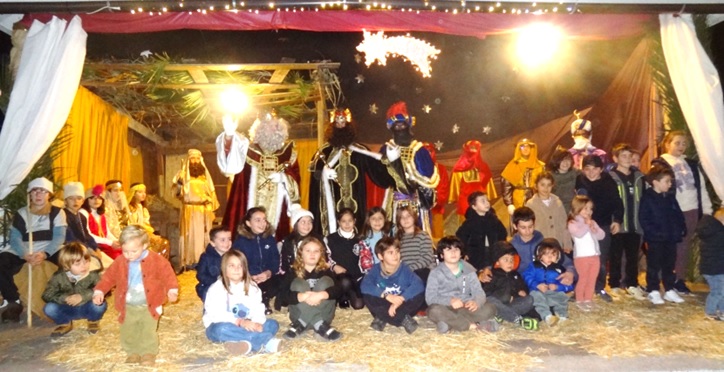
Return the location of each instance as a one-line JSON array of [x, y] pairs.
[[62, 330], [94, 326], [148, 360], [133, 359]]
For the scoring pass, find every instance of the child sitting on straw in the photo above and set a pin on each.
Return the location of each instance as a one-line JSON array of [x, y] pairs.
[[455, 298], [234, 311], [547, 291], [507, 290], [209, 266], [69, 292], [311, 292], [391, 290], [711, 234], [143, 280]]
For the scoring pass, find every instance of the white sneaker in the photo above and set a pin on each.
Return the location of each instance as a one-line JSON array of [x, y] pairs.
[[637, 293], [672, 296], [551, 320], [273, 345], [655, 298]]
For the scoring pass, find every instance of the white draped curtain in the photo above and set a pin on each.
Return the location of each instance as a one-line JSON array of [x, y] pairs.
[[50, 68], [698, 89]]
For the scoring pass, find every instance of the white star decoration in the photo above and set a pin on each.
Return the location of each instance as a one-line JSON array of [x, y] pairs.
[[438, 145], [360, 79], [146, 53], [487, 129], [427, 109], [377, 47], [358, 57], [455, 128], [373, 108]]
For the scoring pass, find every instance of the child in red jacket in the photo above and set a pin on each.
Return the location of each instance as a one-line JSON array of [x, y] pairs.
[[143, 280]]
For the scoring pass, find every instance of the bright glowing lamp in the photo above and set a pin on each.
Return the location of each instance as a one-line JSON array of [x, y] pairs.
[[537, 44], [234, 101]]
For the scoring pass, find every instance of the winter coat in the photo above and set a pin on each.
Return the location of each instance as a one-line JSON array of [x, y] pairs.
[[443, 285], [711, 237], [208, 270], [473, 233], [537, 273], [661, 218], [505, 285], [607, 205], [261, 253], [403, 282], [59, 287]]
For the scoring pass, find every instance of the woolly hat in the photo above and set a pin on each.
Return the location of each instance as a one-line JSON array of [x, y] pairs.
[[500, 249], [97, 190], [297, 212], [73, 189], [580, 124], [41, 183]]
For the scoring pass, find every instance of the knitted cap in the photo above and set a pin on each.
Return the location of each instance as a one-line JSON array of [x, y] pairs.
[[41, 183], [73, 189], [297, 212]]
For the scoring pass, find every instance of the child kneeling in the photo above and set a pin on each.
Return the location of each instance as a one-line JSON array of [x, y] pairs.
[[455, 298], [234, 310], [542, 278], [70, 290], [391, 291], [311, 292]]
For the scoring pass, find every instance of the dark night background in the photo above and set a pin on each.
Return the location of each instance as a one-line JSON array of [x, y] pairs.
[[474, 81]]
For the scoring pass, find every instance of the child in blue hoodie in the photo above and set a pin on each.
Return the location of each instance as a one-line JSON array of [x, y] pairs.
[[547, 291], [256, 241], [209, 266], [391, 291]]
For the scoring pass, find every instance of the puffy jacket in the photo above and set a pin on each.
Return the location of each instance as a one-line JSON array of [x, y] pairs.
[[711, 235], [660, 217], [473, 233], [537, 273]]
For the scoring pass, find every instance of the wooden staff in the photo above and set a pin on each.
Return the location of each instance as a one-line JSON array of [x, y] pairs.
[[30, 266]]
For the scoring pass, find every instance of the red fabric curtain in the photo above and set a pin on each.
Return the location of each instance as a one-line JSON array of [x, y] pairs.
[[577, 26]]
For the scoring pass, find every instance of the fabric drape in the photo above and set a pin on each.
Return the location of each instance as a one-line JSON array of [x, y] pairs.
[[579, 26], [698, 89], [97, 148], [49, 73], [305, 151]]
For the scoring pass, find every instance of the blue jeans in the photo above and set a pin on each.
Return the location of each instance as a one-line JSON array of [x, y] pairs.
[[64, 314], [229, 332], [715, 299]]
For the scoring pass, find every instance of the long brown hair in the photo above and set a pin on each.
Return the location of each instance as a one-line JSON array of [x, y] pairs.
[[245, 277], [298, 265], [400, 231], [245, 230], [670, 137], [367, 229]]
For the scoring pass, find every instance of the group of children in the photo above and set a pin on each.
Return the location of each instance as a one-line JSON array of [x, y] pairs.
[[472, 281]]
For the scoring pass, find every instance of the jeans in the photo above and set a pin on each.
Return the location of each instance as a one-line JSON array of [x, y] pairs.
[[64, 314], [229, 332], [519, 306], [624, 244], [544, 301], [605, 248], [715, 299], [379, 308], [661, 257]]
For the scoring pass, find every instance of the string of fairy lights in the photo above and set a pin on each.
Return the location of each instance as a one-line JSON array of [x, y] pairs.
[[461, 7]]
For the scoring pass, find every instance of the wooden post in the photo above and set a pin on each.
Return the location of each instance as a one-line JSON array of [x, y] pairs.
[[30, 266], [321, 105]]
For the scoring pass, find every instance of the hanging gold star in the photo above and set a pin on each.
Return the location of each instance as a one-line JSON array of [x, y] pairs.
[[373, 108], [438, 145], [360, 79], [487, 129], [455, 128], [427, 109]]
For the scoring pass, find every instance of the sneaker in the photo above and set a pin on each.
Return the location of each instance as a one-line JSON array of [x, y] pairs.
[[133, 359], [268, 310], [12, 312], [529, 324], [378, 324], [713, 317], [500, 320], [344, 304], [295, 329], [655, 298], [672, 296], [551, 320], [636, 292], [681, 288], [409, 324], [489, 326], [442, 328], [562, 319], [604, 296], [149, 360], [62, 330], [5, 303], [273, 346], [94, 327], [238, 348], [326, 332]]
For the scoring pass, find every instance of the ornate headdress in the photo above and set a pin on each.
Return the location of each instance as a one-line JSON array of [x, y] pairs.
[[398, 113]]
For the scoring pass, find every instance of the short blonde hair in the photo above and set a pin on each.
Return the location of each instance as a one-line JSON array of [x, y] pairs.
[[71, 253], [131, 232]]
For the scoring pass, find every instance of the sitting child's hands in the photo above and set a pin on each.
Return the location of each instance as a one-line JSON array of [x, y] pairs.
[[542, 287], [485, 275], [314, 299], [73, 300], [522, 293], [552, 286], [98, 298], [471, 305], [395, 300], [393, 310], [339, 269], [456, 303]]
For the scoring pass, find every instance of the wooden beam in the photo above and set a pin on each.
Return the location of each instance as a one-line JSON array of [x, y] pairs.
[[278, 76], [209, 86], [198, 75], [146, 132], [213, 67]]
